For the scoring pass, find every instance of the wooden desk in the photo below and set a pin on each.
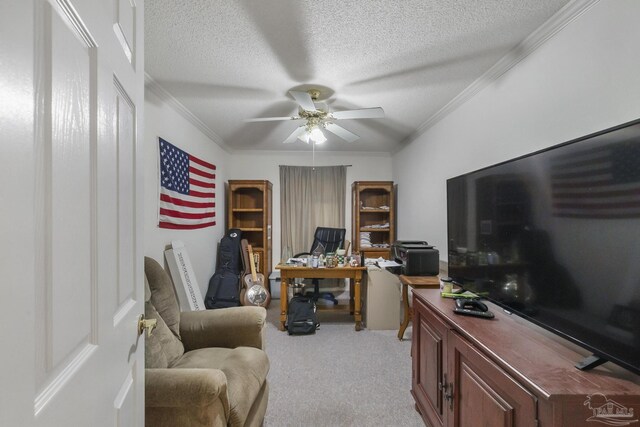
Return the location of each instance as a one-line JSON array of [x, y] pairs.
[[289, 272], [414, 282]]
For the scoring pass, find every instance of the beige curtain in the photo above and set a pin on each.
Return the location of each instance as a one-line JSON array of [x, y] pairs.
[[310, 197]]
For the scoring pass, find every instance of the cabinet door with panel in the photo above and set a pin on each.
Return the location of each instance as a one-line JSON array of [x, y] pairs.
[[479, 393], [429, 353]]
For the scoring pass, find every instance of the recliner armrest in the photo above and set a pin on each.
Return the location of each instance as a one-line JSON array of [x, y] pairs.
[[227, 327], [176, 388]]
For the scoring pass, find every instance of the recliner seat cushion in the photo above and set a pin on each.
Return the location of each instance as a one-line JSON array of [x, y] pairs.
[[246, 370]]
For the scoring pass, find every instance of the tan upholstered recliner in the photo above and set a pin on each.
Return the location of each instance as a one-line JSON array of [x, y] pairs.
[[203, 368]]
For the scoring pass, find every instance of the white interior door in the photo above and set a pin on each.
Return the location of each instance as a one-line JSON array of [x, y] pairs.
[[72, 94]]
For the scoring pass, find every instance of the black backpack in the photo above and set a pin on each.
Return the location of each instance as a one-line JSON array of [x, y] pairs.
[[301, 316], [224, 285]]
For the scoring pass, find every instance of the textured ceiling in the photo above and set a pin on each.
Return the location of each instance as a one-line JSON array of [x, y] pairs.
[[230, 60]]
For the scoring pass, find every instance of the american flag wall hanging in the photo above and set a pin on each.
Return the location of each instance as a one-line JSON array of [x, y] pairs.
[[187, 189]]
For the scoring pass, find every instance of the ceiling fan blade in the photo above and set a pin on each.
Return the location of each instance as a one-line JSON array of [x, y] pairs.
[[363, 113], [295, 134], [271, 119], [304, 99], [341, 132]]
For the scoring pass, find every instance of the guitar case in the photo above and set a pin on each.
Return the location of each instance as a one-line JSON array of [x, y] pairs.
[[224, 285]]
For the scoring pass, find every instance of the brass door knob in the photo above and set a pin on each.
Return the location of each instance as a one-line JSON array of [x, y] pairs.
[[148, 324]]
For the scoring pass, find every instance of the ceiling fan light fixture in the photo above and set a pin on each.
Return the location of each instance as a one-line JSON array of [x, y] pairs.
[[317, 136], [317, 117], [304, 137]]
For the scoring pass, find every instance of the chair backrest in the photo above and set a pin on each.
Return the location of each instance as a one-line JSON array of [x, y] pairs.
[[163, 294], [330, 238], [164, 346]]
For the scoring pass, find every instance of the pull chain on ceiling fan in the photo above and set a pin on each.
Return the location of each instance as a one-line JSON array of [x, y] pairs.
[[317, 119]]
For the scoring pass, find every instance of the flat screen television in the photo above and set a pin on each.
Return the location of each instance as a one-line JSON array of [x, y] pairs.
[[554, 236]]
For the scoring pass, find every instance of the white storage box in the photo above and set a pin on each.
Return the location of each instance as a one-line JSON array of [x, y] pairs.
[[381, 300], [274, 283]]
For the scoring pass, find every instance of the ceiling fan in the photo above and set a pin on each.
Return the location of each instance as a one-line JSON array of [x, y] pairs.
[[318, 118]]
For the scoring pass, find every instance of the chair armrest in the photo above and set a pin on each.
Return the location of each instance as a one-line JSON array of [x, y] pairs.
[[183, 388], [301, 253], [226, 327]]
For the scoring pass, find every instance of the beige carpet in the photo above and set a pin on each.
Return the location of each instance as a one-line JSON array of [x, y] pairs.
[[338, 377]]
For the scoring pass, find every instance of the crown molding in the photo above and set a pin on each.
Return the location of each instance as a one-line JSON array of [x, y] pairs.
[[170, 100], [546, 31]]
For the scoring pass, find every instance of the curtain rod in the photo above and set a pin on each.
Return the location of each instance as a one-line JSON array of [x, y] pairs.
[[298, 166]]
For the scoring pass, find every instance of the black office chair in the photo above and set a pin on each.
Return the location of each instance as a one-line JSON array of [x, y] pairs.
[[328, 240]]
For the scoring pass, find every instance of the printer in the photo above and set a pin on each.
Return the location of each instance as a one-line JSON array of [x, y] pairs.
[[418, 258]]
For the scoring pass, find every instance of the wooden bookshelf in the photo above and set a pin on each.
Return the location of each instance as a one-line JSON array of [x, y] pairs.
[[249, 209], [368, 198]]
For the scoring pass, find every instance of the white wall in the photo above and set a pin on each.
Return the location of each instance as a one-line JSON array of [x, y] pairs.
[[582, 80], [162, 120], [266, 165]]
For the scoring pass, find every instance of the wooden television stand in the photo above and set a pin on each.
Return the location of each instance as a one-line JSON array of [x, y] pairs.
[[506, 371]]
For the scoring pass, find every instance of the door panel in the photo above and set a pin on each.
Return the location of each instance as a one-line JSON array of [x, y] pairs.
[[68, 218], [428, 379], [124, 26], [483, 393], [125, 142], [64, 222], [125, 402], [480, 402]]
